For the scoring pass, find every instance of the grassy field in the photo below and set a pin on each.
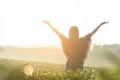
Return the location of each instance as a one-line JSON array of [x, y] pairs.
[[15, 69], [36, 65]]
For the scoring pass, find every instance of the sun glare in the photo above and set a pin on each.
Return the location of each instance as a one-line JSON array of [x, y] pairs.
[[22, 21]]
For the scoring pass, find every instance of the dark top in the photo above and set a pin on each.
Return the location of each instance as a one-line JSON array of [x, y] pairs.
[[76, 51]]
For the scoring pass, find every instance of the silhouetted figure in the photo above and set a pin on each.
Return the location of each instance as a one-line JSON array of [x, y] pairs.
[[75, 48]]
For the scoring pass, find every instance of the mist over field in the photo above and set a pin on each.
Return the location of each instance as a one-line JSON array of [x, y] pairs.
[[55, 54]]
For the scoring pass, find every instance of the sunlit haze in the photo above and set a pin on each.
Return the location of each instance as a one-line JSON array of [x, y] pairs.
[[21, 20]]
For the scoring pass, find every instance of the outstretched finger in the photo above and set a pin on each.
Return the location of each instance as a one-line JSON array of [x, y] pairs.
[[106, 22], [103, 23], [45, 21]]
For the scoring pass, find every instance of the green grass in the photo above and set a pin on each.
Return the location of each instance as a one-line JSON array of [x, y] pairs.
[[17, 74], [111, 73], [13, 70]]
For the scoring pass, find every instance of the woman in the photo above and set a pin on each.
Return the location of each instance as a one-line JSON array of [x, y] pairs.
[[75, 48]]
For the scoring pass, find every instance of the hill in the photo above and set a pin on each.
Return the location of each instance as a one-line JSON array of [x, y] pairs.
[[9, 63]]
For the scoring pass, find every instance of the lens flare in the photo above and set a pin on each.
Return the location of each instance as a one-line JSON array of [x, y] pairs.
[[28, 69]]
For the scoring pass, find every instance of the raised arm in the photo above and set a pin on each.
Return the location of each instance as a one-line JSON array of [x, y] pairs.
[[61, 36], [56, 31], [95, 30]]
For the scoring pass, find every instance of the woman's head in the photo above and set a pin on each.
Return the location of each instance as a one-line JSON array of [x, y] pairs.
[[74, 32]]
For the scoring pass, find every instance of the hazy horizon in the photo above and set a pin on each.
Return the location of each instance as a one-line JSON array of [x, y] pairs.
[[55, 55]]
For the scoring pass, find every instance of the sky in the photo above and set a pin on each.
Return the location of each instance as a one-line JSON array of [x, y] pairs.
[[21, 20]]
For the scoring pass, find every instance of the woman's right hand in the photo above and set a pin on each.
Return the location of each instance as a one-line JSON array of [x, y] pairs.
[[46, 22]]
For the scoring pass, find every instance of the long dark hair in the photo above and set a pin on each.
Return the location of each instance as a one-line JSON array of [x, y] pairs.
[[73, 32]]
